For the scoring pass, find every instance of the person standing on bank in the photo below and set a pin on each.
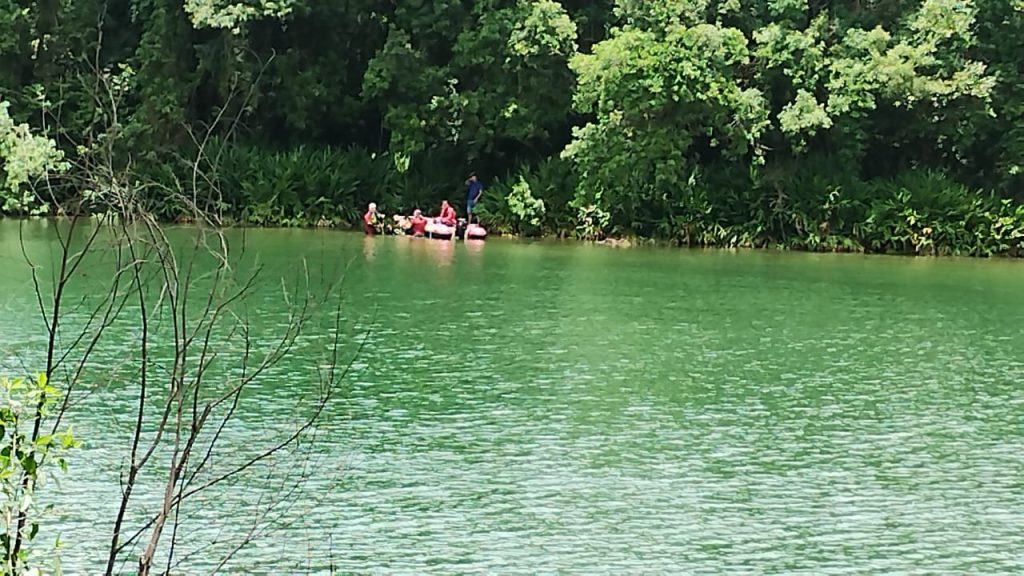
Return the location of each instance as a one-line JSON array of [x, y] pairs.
[[474, 189]]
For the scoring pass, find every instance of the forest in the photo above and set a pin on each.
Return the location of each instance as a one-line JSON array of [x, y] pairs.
[[890, 126]]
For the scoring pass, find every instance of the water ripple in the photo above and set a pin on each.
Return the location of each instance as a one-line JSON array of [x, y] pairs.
[[562, 409]]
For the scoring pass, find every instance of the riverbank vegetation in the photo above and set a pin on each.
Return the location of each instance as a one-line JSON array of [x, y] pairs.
[[854, 126]]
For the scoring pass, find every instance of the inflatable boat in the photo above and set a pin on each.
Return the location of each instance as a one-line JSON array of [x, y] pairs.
[[462, 230], [474, 232], [440, 231]]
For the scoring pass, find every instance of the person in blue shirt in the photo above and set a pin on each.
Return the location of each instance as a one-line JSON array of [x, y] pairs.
[[474, 189]]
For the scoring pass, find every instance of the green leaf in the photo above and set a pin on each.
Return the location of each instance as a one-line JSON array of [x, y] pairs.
[[28, 462]]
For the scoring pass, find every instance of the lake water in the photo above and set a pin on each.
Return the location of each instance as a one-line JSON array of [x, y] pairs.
[[566, 408]]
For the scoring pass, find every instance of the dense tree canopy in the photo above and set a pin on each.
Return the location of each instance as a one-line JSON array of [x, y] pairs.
[[879, 125]]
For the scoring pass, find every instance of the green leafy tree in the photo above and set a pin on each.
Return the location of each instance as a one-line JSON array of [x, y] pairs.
[[524, 206], [714, 121], [664, 102], [25, 463], [26, 157]]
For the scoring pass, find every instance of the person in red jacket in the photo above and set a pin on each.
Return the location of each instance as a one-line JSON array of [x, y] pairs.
[[371, 221], [447, 215], [418, 223]]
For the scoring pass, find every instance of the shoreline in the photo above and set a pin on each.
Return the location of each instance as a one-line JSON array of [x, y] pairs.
[[623, 242]]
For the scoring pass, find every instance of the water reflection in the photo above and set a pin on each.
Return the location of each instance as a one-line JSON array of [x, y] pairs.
[[403, 243], [440, 252], [474, 248], [369, 247]]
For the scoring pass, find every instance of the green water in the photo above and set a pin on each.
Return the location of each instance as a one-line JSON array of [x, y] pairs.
[[564, 408]]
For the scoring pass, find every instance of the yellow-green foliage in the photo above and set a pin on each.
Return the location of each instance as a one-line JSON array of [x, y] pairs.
[[26, 157]]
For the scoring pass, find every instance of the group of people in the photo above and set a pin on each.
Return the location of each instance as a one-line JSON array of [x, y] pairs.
[[416, 225]]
